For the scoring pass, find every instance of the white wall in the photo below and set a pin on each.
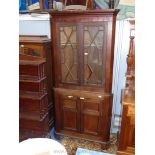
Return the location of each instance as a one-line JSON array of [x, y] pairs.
[[120, 66], [29, 25], [41, 26]]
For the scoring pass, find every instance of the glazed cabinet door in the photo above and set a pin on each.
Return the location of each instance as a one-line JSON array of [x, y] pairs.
[[91, 113], [70, 113], [68, 54], [93, 54], [80, 54]]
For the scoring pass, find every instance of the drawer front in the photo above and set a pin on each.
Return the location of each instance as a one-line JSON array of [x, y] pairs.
[[34, 105], [32, 49], [37, 71], [35, 124], [28, 133], [33, 86]]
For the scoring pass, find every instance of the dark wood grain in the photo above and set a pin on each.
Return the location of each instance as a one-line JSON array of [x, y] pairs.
[[83, 106], [36, 108]]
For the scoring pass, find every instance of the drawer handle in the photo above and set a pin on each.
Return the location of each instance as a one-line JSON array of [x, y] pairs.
[[85, 53], [99, 96], [81, 98], [21, 45], [70, 96]]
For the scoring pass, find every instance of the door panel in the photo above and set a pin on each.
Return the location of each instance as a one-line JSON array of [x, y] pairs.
[[91, 123], [69, 120], [91, 116], [70, 113]]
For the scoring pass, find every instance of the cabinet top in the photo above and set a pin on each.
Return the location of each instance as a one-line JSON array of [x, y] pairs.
[[85, 12], [33, 38]]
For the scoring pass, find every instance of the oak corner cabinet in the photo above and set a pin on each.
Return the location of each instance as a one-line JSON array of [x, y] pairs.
[[83, 53]]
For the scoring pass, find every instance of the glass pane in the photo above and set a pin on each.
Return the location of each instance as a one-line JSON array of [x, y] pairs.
[[68, 54], [93, 45]]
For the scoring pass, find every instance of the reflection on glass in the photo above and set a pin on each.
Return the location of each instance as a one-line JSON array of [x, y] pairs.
[[68, 54], [93, 45]]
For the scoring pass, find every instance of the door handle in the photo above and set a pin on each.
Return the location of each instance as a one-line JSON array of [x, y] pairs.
[[99, 96], [81, 98], [70, 96]]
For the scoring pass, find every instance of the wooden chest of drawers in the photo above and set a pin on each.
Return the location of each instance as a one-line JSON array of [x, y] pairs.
[[35, 45], [35, 70], [40, 47], [35, 110], [31, 121]]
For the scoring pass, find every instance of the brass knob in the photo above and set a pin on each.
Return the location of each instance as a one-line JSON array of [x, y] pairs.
[[99, 96], [70, 96], [21, 45], [81, 98]]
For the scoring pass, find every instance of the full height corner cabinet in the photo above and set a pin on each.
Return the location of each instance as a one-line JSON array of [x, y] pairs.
[[83, 53]]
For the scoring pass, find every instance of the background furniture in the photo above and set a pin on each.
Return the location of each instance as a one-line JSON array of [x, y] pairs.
[[43, 4], [88, 3], [35, 100], [40, 46], [127, 132], [83, 50]]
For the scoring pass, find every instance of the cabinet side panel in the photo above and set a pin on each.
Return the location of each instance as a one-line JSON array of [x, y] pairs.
[[58, 112], [110, 53], [106, 117]]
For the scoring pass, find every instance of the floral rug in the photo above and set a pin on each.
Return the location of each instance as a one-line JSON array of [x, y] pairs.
[[72, 144]]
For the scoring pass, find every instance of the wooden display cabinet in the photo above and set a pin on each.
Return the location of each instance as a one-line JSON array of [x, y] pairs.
[[83, 51]]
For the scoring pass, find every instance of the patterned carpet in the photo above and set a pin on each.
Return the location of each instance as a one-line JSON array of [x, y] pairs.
[[71, 145]]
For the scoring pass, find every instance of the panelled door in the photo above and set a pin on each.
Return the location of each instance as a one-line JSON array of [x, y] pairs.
[[81, 114], [70, 113], [91, 113]]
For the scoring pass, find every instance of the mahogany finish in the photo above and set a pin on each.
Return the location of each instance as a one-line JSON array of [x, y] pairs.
[[33, 103], [40, 47], [32, 85], [35, 100], [27, 70], [83, 51]]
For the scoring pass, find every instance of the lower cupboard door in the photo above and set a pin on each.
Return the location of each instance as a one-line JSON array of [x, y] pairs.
[[70, 114], [91, 117]]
